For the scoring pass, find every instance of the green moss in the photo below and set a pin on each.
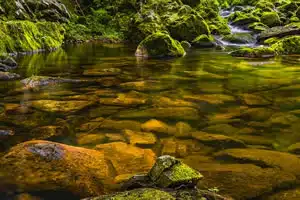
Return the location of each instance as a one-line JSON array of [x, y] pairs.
[[185, 44], [258, 52], [271, 19], [188, 27], [271, 41], [258, 27], [265, 5], [160, 45], [18, 36], [138, 194], [289, 45], [178, 174], [243, 19], [204, 41]]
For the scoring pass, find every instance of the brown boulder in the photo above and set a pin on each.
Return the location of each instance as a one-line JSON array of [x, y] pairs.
[[42, 166]]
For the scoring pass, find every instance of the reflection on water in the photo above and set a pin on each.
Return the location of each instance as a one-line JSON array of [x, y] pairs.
[[182, 107]]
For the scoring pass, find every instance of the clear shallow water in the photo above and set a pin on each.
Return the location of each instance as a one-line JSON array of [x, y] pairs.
[[254, 101]]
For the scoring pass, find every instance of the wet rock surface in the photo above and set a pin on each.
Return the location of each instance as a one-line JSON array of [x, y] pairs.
[[40, 166]]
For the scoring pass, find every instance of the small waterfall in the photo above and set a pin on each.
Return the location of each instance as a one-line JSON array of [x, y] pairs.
[[225, 13]]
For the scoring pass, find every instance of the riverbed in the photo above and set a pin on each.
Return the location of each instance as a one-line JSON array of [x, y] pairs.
[[194, 108]]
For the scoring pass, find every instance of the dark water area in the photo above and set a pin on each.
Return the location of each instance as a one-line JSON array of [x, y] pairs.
[[163, 105]]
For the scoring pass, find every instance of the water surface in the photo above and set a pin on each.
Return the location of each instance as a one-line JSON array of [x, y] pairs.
[[207, 91]]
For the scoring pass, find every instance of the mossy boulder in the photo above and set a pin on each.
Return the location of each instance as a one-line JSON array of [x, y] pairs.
[[43, 166], [188, 27], [258, 27], [169, 172], [160, 45], [243, 19], [204, 41], [270, 19], [240, 38], [289, 45], [258, 52]]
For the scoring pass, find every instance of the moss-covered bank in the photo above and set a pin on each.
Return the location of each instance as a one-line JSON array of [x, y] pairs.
[[20, 36]]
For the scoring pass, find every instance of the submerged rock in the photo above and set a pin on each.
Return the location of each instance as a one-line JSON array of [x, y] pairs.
[[140, 138], [38, 81], [176, 113], [243, 181], [127, 159], [6, 76], [291, 194], [46, 132], [157, 126], [144, 86], [263, 158], [43, 166], [218, 141], [59, 106], [159, 45]]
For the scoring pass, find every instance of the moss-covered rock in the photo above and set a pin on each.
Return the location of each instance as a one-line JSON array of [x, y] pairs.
[[188, 27], [279, 32], [141, 194], [204, 41], [169, 172], [258, 52], [271, 19], [240, 38], [160, 45], [17, 36], [289, 45], [258, 27], [186, 45], [242, 19]]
